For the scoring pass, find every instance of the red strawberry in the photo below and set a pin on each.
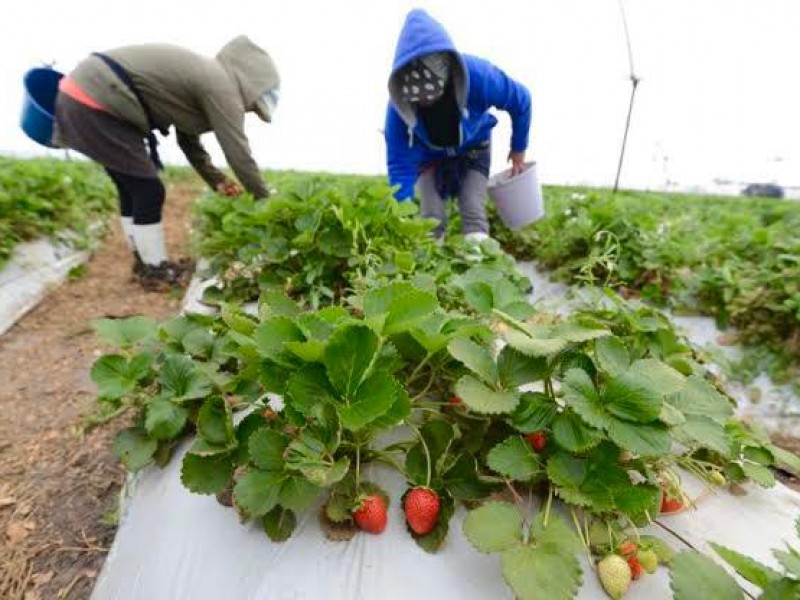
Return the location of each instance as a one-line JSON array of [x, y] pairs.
[[637, 570], [627, 548], [421, 506], [370, 514], [269, 414], [454, 400], [538, 440], [671, 505]]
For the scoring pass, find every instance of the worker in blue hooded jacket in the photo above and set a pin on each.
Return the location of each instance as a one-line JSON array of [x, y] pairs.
[[438, 125]]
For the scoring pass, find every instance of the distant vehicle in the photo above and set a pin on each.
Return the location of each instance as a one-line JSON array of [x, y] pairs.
[[764, 190]]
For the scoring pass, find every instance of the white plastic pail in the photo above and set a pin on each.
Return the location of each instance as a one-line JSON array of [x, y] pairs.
[[519, 198]]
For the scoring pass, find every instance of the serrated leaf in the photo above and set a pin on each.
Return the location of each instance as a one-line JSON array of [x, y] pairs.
[[789, 560], [514, 458], [699, 397], [671, 416], [198, 342], [752, 570], [206, 474], [125, 333], [307, 388], [348, 355], [541, 572], [516, 369], [214, 422], [644, 439], [378, 300], [571, 433], [476, 358], [271, 335], [571, 332], [256, 492], [786, 460], [639, 502], [311, 351], [134, 448], [407, 310], [556, 533], [164, 420], [535, 347], [760, 474], [479, 296], [115, 376], [706, 432], [266, 448], [481, 399], [297, 493], [275, 303], [632, 398], [371, 400], [181, 379], [279, 524], [694, 576], [612, 355], [759, 454], [203, 448], [438, 436], [582, 396], [783, 589], [397, 412], [535, 411], [493, 527], [565, 470]]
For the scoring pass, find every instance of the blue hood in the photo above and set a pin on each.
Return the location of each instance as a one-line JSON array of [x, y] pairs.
[[422, 35]]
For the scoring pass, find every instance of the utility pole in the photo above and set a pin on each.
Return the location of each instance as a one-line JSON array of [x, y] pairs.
[[634, 84]]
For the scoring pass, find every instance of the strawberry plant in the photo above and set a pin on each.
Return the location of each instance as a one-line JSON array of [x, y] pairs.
[[51, 198]]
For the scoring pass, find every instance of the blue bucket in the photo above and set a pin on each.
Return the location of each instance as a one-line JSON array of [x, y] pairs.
[[39, 107]]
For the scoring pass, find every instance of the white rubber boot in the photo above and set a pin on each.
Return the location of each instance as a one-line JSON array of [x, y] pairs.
[[149, 240], [127, 231]]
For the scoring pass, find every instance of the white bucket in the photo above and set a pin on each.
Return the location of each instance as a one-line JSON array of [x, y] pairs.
[[519, 198]]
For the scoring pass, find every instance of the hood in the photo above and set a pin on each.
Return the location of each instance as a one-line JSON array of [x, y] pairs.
[[421, 35], [251, 67]]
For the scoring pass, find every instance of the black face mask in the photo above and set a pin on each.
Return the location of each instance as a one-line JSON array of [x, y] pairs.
[[441, 119]]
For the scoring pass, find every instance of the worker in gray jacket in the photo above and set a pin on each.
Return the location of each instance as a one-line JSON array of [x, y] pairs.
[[110, 104]]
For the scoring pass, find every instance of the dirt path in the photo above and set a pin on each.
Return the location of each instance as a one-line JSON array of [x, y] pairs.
[[58, 489]]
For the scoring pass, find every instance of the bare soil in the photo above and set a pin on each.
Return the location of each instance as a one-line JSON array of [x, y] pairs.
[[59, 486]]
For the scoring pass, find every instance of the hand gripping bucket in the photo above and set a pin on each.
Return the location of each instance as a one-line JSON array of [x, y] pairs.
[[39, 106], [519, 198]]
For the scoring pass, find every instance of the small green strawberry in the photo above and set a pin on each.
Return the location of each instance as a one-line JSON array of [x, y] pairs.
[[648, 559], [615, 575]]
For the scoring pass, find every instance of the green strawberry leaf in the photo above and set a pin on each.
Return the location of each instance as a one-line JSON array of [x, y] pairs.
[[408, 309], [214, 422], [372, 400], [297, 493], [438, 436], [349, 354], [494, 527], [206, 474], [476, 358], [307, 388], [786, 460], [272, 334], [703, 431], [279, 524], [541, 572], [760, 474], [134, 448], [783, 589], [789, 560], [514, 459], [164, 420], [699, 397], [694, 576], [181, 379], [247, 427], [582, 396], [631, 397], [266, 448], [377, 301], [571, 433], [516, 369], [397, 412], [481, 399], [556, 534], [650, 439], [752, 570], [116, 377], [256, 492], [612, 355], [125, 333], [535, 347], [535, 411]]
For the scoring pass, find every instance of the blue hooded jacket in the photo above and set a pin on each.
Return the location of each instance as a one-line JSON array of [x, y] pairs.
[[479, 85]]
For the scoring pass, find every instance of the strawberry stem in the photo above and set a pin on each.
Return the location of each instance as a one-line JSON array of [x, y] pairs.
[[358, 467], [427, 453], [548, 505]]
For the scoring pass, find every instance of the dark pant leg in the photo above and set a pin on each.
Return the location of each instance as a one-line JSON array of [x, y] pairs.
[[145, 195]]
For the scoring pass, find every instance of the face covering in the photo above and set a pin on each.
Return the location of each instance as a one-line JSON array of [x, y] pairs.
[[267, 105], [425, 79]]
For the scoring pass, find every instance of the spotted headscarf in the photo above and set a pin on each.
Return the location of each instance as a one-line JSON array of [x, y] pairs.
[[425, 79]]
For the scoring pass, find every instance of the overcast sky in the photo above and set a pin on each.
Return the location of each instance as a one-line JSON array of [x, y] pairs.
[[719, 95]]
